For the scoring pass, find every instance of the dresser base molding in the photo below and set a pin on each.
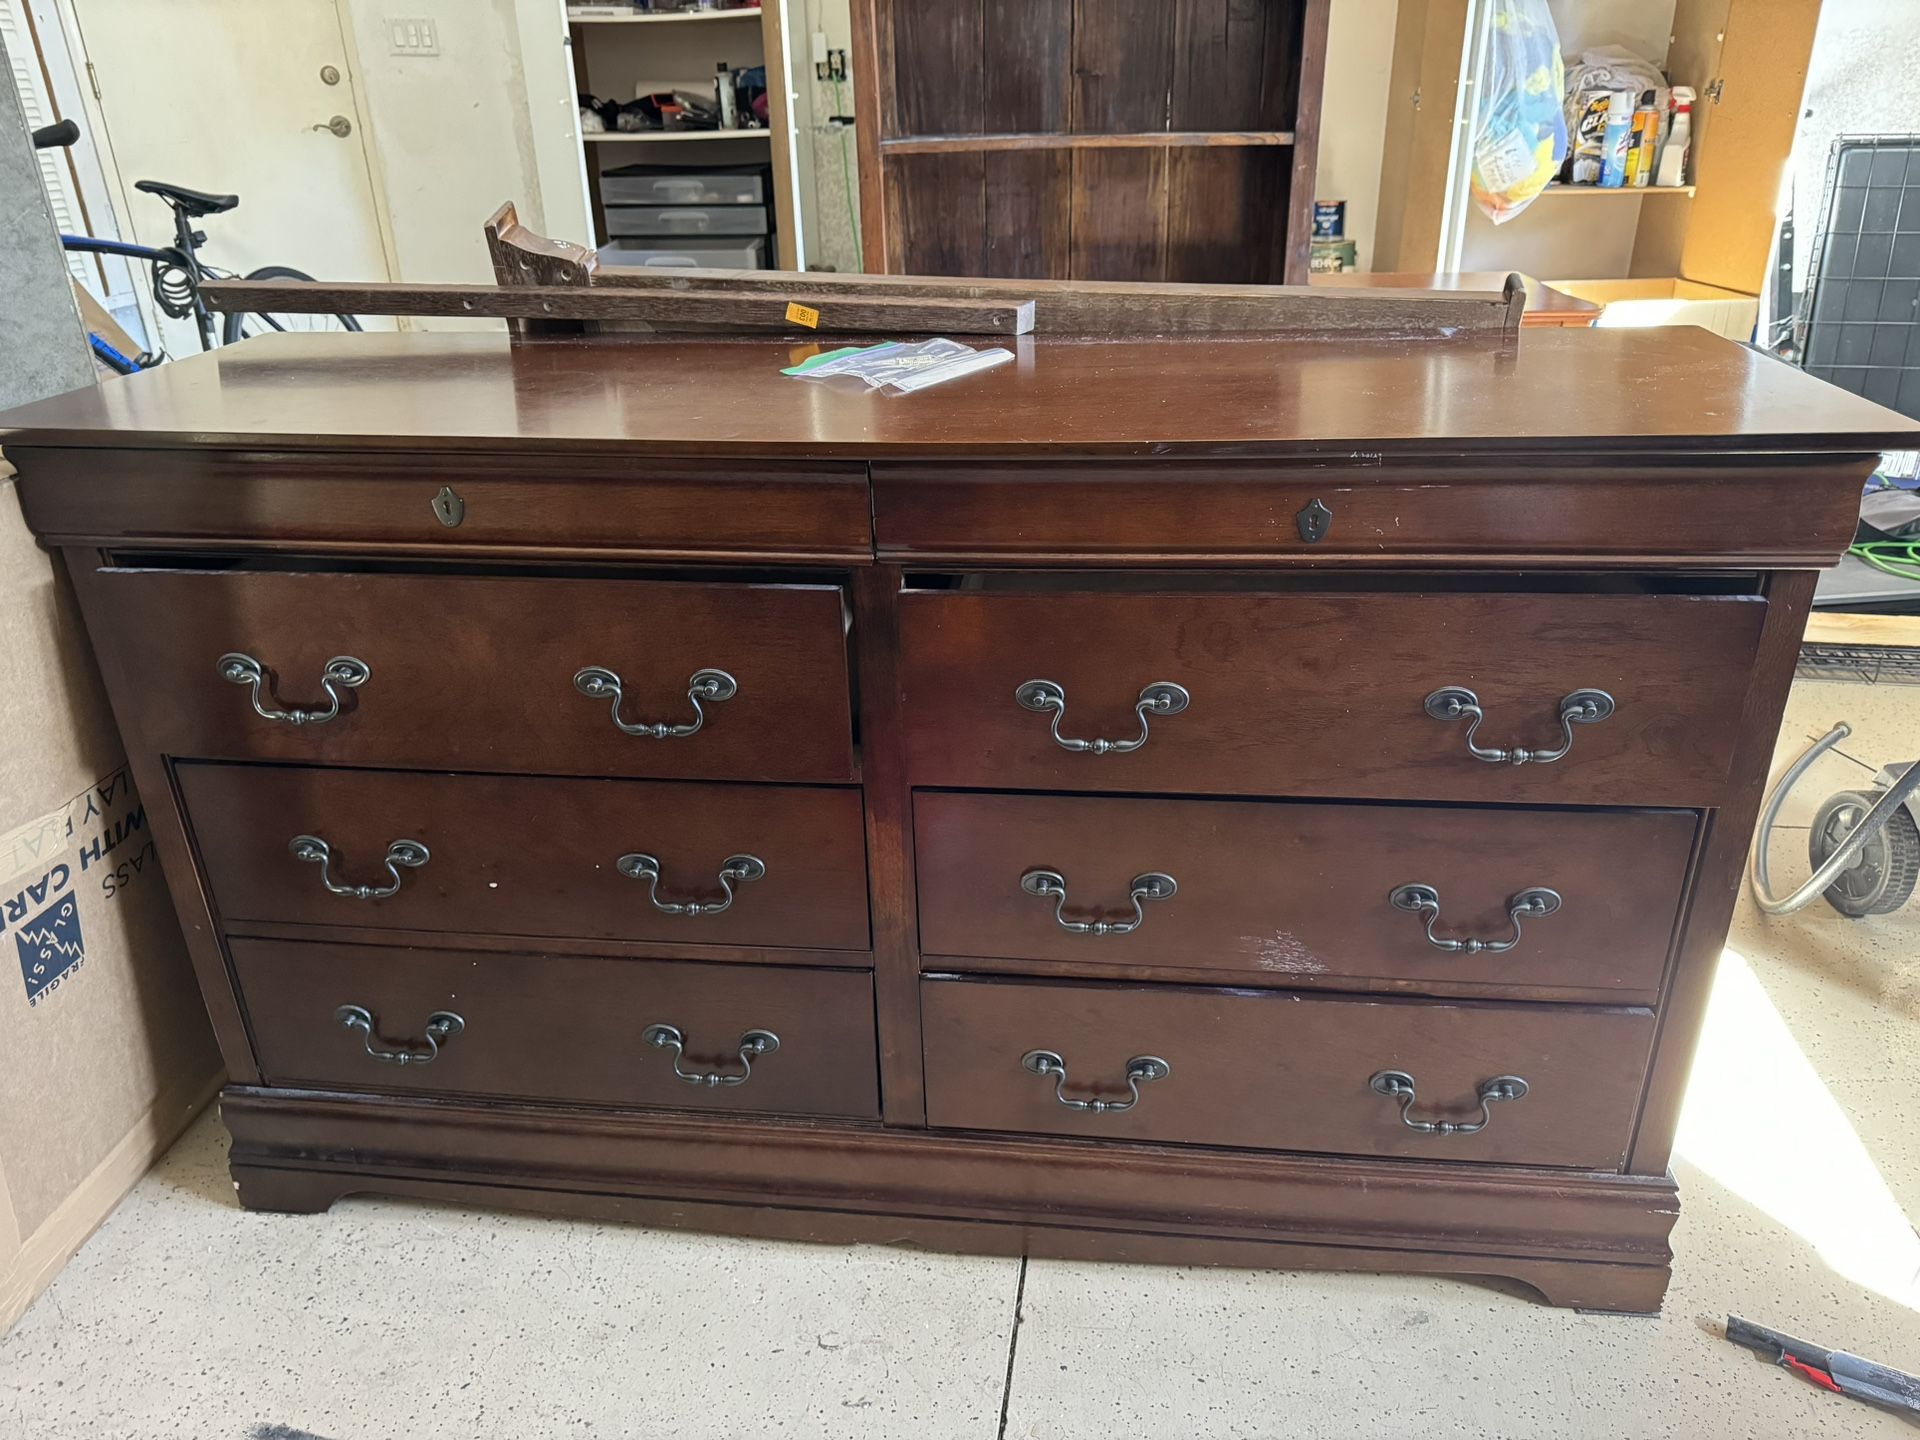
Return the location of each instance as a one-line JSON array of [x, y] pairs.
[[1587, 1240]]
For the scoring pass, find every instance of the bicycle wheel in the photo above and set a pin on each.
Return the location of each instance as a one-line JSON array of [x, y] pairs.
[[241, 326]]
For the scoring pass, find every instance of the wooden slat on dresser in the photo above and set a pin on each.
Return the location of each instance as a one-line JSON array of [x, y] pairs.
[[665, 310]]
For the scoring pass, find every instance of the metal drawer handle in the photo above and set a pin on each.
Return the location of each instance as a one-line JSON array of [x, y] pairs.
[[1398, 1085], [408, 854], [1140, 1070], [734, 870], [598, 683], [1582, 707], [343, 672], [1424, 899], [1052, 885], [1163, 697], [753, 1044], [442, 1026]]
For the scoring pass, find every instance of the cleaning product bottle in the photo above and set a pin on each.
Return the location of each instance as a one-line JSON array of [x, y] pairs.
[[1672, 167], [1646, 137], [1614, 144]]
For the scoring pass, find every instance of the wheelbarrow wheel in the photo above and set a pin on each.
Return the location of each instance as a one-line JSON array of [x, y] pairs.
[[1882, 876]]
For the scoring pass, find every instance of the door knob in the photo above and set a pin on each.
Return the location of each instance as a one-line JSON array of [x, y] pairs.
[[339, 125]]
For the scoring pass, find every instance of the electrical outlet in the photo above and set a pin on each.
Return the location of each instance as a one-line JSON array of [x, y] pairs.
[[413, 37], [830, 66]]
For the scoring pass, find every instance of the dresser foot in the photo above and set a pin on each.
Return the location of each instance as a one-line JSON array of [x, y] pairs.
[[286, 1192], [1592, 1285]]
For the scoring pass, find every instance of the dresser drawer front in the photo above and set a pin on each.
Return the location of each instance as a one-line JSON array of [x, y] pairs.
[[1326, 694], [1288, 891], [426, 503], [1285, 1071], [1537, 510], [516, 855], [565, 1028], [480, 673]]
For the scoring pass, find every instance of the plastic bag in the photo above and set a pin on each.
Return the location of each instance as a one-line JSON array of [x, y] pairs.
[[901, 366], [1519, 127]]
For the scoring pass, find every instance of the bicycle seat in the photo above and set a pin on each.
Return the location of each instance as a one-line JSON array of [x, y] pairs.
[[193, 202]]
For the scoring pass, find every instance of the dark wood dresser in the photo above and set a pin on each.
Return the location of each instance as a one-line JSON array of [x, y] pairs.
[[1257, 801]]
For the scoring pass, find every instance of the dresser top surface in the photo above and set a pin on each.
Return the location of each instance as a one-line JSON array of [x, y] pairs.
[[1671, 389]]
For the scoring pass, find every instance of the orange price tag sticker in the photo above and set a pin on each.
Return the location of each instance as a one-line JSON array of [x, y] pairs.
[[802, 315]]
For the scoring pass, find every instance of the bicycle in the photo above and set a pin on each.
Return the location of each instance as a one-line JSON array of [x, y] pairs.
[[178, 270]]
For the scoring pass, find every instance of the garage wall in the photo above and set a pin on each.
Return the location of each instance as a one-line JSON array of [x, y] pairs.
[[829, 169], [1353, 122]]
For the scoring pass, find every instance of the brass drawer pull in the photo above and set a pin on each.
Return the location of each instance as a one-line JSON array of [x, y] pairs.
[[1163, 697], [598, 683], [343, 672], [1398, 1085], [734, 870], [442, 1026], [1582, 707], [408, 854], [1141, 1069], [1425, 900], [1052, 885], [753, 1044]]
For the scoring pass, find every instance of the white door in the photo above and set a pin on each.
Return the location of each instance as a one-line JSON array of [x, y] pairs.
[[243, 97]]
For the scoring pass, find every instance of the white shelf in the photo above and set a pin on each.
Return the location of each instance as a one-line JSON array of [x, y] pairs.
[[666, 18], [660, 136], [1618, 191]]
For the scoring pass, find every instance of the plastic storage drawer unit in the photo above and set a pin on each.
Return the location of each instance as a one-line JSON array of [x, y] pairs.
[[681, 221], [667, 253], [670, 185]]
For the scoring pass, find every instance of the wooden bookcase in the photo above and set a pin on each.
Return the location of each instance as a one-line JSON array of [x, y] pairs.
[[1089, 139]]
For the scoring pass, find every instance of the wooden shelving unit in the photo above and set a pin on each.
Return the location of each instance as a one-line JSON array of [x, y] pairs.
[[1046, 140], [619, 56], [1639, 252], [1069, 139], [669, 18], [673, 137], [1596, 192]]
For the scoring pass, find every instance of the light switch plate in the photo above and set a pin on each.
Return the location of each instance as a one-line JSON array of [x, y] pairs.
[[413, 36]]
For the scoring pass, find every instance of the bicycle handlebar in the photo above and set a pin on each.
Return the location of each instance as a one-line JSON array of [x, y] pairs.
[[56, 137]]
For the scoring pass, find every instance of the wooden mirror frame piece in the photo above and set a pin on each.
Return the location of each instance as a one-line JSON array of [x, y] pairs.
[[553, 286]]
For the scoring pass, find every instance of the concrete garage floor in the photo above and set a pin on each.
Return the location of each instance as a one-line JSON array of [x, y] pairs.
[[1799, 1168]]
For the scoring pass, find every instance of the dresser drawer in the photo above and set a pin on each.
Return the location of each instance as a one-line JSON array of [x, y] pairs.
[[788, 510], [482, 673], [1326, 694], [1533, 509], [1284, 1071], [516, 855], [1284, 891], [548, 1027]]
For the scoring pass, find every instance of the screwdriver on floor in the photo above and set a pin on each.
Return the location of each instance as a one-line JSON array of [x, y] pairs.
[[1834, 1370]]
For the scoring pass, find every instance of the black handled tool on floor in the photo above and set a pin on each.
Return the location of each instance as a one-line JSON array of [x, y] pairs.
[[1834, 1370]]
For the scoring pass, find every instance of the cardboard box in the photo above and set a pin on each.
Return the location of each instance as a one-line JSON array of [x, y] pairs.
[[1732, 313], [105, 1052]]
